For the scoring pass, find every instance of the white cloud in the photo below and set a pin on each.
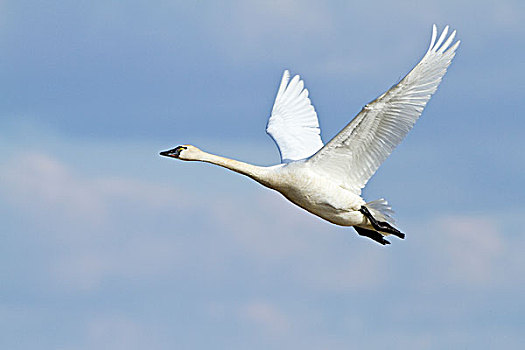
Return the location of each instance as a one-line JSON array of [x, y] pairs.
[[474, 247], [40, 183], [508, 15], [257, 29], [266, 316], [117, 332], [468, 251], [92, 222]]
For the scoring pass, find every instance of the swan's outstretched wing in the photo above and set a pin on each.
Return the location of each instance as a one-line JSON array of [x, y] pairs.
[[293, 124], [354, 154]]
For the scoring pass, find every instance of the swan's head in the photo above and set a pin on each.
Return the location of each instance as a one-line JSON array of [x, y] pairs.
[[184, 152]]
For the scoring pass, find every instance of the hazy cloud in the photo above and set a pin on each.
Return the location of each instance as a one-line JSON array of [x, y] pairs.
[[266, 316]]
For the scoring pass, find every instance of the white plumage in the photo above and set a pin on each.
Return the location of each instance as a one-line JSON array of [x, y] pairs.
[[327, 179], [354, 155], [293, 124]]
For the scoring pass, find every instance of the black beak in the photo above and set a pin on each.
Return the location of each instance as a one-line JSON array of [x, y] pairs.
[[173, 153]]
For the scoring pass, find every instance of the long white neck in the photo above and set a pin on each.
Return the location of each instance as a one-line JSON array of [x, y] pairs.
[[258, 173]]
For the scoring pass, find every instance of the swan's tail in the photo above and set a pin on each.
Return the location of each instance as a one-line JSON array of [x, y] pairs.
[[381, 211]]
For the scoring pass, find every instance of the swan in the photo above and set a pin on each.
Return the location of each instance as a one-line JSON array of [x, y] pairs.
[[327, 180]]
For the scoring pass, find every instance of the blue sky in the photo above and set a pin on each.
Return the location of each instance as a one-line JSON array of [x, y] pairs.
[[107, 246]]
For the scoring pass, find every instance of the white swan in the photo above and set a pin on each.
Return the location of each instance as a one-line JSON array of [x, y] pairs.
[[326, 180]]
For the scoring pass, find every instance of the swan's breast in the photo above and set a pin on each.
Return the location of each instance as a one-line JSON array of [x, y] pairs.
[[316, 193]]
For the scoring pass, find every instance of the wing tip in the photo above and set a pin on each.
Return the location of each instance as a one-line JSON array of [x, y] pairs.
[[284, 83], [433, 38], [442, 44], [286, 75]]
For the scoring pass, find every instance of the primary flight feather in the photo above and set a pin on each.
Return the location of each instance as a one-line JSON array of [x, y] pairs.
[[326, 180]]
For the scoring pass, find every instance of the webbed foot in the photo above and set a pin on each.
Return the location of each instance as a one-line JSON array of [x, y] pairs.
[[382, 226], [376, 236]]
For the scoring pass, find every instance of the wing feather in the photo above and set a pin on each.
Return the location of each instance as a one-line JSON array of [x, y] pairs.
[[293, 124], [354, 154]]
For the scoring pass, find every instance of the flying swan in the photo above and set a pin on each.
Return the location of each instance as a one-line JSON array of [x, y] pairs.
[[326, 180]]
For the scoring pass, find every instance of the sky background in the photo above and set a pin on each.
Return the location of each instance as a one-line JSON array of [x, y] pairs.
[[106, 245]]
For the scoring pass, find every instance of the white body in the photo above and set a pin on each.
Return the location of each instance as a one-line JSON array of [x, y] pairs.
[[326, 180], [300, 183]]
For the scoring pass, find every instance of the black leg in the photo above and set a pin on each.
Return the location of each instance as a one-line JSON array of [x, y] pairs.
[[382, 226], [376, 236]]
